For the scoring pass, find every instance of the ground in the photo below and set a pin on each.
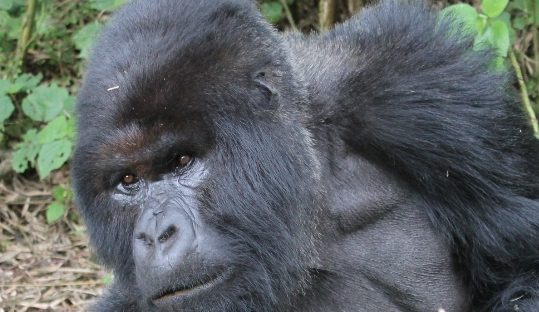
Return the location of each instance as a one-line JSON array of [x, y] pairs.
[[43, 267]]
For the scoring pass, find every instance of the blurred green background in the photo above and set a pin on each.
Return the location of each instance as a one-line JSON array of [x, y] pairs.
[[44, 260]]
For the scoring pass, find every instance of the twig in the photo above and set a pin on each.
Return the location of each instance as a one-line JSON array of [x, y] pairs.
[[524, 93], [354, 5], [289, 16], [26, 30], [327, 13], [535, 38], [39, 285]]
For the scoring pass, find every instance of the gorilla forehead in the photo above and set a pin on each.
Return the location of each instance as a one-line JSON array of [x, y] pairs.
[[162, 59]]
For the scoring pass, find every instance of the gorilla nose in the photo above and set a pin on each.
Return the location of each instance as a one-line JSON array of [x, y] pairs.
[[162, 238]]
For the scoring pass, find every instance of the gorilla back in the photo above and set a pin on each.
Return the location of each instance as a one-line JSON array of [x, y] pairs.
[[222, 166]]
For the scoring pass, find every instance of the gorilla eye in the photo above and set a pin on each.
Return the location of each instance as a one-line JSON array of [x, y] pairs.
[[129, 179], [184, 161]]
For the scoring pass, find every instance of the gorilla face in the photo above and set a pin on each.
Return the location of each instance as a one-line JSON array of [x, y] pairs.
[[192, 171]]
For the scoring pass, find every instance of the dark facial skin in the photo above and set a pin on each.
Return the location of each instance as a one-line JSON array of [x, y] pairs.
[[222, 166]]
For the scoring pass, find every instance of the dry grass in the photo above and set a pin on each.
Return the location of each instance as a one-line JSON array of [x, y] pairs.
[[42, 267]]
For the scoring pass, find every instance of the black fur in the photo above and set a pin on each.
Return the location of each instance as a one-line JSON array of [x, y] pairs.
[[380, 166]]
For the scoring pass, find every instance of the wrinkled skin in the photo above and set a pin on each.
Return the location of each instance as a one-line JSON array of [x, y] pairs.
[[222, 166]]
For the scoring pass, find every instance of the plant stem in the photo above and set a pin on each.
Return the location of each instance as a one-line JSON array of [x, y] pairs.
[[327, 13], [289, 16], [26, 30], [524, 92], [354, 5], [535, 38]]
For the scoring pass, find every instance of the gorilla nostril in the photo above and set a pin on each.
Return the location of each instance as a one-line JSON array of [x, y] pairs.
[[169, 232]]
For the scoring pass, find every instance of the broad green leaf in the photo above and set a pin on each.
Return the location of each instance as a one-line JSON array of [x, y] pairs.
[[52, 156], [506, 18], [84, 38], [4, 86], [69, 105], [273, 11], [60, 193], [499, 63], [106, 5], [464, 13], [536, 12], [45, 103], [71, 130], [493, 8], [6, 108], [26, 82], [481, 24], [55, 212], [13, 27], [57, 129], [500, 37], [26, 152]]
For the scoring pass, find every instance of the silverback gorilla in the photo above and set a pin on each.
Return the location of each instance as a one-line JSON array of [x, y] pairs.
[[382, 166]]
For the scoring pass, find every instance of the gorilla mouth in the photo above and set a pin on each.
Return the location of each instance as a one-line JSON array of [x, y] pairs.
[[205, 283]]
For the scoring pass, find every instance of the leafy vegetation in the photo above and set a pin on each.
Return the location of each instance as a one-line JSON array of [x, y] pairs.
[[42, 53], [43, 46]]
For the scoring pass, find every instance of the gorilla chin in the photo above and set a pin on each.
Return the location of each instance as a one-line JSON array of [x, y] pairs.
[[381, 166]]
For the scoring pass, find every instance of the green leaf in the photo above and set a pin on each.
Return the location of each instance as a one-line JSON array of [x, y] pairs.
[[481, 24], [84, 38], [6, 108], [25, 152], [12, 26], [500, 37], [499, 63], [61, 194], [52, 156], [45, 103], [4, 86], [6, 4], [273, 11], [55, 130], [464, 13], [106, 5], [27, 82], [24, 82], [55, 212], [69, 105], [483, 40], [493, 8]]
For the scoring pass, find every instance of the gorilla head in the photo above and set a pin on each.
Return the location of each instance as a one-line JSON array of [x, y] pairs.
[[221, 166], [194, 168]]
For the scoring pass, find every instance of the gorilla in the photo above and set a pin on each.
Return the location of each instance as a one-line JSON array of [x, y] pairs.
[[381, 166]]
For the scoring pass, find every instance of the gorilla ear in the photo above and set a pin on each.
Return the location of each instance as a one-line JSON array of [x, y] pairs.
[[271, 95]]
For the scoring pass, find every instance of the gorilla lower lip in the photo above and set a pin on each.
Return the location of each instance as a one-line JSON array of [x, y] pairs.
[[204, 284]]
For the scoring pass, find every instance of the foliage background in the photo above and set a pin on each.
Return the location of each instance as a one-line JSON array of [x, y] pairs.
[[44, 260]]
